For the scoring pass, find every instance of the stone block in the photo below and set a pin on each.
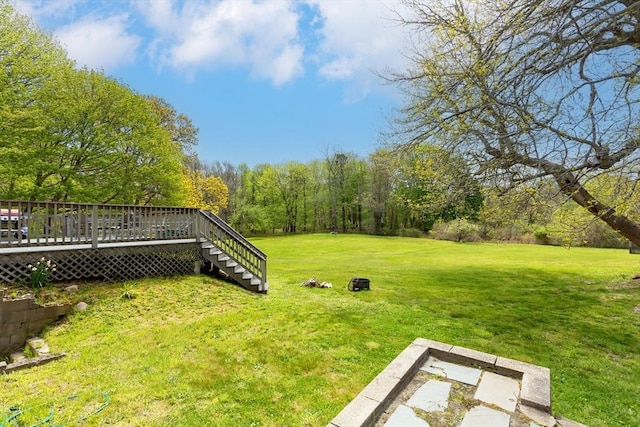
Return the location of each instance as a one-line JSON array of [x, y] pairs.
[[565, 422], [541, 418], [38, 346], [63, 309], [498, 390], [471, 357], [432, 396], [433, 345], [481, 416], [536, 390], [382, 387], [404, 416], [516, 368], [18, 305], [18, 316], [360, 412], [43, 313], [408, 362], [17, 356], [452, 371], [9, 329], [18, 339]]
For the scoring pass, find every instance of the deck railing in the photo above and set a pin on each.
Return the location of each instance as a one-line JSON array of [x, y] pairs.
[[33, 224], [27, 223]]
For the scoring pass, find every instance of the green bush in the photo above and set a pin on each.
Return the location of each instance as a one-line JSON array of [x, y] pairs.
[[458, 230]]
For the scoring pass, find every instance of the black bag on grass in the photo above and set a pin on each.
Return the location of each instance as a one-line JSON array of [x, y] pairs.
[[358, 284]]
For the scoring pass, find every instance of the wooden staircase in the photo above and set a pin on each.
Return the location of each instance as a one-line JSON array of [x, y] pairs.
[[231, 268], [234, 255]]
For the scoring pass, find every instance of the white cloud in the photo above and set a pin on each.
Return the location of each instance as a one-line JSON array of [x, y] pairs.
[[347, 41], [42, 9], [358, 39], [262, 36], [100, 43]]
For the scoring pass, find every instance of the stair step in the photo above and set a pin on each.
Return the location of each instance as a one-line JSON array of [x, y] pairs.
[[231, 264], [246, 275], [255, 281], [214, 251], [239, 269], [223, 258], [207, 245]]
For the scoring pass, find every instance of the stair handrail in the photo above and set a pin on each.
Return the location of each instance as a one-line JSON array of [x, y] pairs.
[[219, 222]]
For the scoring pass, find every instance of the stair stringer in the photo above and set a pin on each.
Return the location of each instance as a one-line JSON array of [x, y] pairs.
[[232, 268]]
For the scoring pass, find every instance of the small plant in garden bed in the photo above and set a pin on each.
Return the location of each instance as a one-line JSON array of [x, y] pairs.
[[41, 273]]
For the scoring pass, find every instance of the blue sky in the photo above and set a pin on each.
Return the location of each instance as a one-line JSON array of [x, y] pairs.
[[264, 81]]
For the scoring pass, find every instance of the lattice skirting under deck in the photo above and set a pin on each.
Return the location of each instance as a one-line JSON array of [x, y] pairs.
[[108, 264]]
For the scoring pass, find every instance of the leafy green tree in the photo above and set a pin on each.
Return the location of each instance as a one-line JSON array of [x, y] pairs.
[[103, 143], [382, 175], [291, 181], [28, 58], [231, 176], [530, 90], [346, 186], [183, 133], [77, 135], [434, 184], [319, 205]]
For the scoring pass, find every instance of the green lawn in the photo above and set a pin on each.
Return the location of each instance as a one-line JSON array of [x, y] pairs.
[[198, 351]]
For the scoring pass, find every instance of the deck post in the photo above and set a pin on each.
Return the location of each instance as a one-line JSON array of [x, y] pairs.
[[94, 227], [197, 224]]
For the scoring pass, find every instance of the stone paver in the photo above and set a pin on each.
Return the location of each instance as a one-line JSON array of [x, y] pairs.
[[433, 396], [481, 416], [498, 390], [404, 416], [452, 371]]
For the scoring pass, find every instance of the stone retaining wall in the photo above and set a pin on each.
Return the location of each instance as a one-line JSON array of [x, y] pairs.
[[23, 318]]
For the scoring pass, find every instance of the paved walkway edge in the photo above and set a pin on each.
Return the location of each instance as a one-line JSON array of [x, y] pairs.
[[365, 409]]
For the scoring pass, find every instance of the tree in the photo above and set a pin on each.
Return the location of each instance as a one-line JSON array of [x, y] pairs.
[[381, 172], [434, 185], [183, 133], [77, 135], [529, 90], [346, 187], [205, 191], [28, 58], [231, 176], [101, 142]]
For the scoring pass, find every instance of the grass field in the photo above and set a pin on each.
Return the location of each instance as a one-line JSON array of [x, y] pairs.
[[198, 351]]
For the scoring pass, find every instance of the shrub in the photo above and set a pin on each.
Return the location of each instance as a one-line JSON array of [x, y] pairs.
[[541, 235], [458, 230]]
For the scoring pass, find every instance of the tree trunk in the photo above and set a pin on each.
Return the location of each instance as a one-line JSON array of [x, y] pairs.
[[570, 186]]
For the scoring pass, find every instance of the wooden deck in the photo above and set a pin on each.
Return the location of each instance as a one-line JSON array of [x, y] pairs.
[[80, 238]]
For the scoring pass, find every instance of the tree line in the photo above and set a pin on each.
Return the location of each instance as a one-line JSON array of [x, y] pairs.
[[413, 193], [381, 194]]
